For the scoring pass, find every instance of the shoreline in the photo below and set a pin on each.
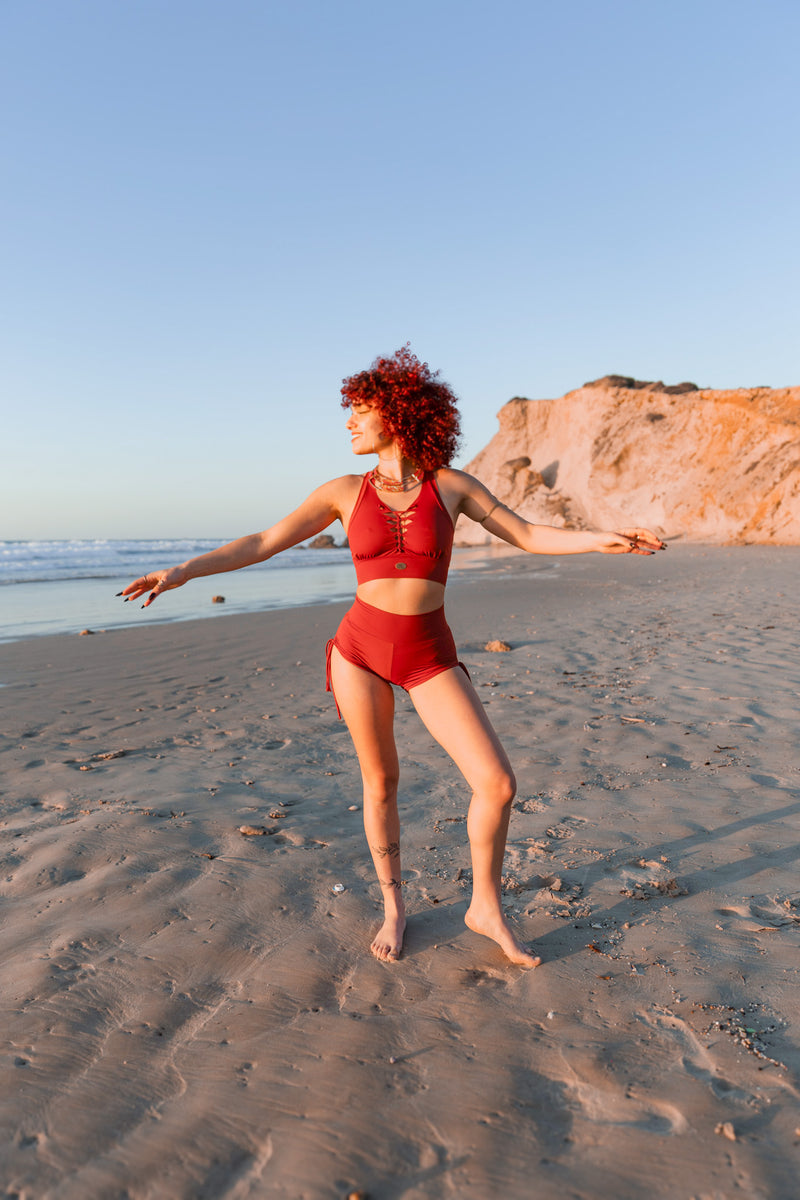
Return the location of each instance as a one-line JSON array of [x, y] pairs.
[[190, 1011], [48, 607]]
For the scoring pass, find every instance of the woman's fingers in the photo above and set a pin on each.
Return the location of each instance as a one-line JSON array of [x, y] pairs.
[[646, 535], [642, 541], [155, 591], [633, 541], [154, 583]]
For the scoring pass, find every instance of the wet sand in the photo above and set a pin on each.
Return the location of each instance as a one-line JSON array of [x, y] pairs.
[[191, 1012]]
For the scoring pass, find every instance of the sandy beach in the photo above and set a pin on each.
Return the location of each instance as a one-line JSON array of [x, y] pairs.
[[192, 1012]]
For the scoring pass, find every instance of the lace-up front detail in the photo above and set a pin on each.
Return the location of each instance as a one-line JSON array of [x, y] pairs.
[[398, 523], [416, 541]]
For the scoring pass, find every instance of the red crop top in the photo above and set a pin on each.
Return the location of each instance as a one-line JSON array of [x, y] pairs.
[[415, 543]]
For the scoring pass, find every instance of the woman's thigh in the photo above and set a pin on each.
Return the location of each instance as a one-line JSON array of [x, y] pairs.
[[449, 707], [367, 704]]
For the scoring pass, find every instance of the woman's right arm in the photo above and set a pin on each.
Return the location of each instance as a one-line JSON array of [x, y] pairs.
[[316, 513]]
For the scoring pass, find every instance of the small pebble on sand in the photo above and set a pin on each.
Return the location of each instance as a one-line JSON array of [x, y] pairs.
[[252, 830], [725, 1129], [497, 647]]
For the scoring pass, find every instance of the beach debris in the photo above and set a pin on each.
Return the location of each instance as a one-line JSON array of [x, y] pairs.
[[725, 1129], [338, 888], [497, 647], [217, 599], [277, 816], [253, 830], [86, 633], [358, 1195], [750, 1028]]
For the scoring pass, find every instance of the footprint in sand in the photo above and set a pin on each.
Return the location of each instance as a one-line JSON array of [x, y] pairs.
[[776, 912], [483, 979], [607, 1106], [529, 806], [643, 879], [694, 1058], [566, 827]]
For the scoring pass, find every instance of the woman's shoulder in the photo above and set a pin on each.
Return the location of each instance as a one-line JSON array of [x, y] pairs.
[[344, 484], [336, 494], [458, 482]]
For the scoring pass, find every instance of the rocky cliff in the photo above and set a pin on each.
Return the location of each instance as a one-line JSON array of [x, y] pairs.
[[710, 466]]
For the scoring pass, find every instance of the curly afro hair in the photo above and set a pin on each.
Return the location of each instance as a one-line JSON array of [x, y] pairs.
[[416, 408]]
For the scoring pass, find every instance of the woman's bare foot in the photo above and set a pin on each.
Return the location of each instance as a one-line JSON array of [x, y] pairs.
[[387, 944], [492, 924]]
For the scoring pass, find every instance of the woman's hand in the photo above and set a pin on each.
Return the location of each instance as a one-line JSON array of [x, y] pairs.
[[630, 541], [155, 583]]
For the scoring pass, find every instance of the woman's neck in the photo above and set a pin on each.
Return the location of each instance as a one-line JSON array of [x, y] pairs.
[[395, 467]]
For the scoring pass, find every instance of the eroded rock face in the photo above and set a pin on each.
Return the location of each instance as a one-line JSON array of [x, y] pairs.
[[710, 466]]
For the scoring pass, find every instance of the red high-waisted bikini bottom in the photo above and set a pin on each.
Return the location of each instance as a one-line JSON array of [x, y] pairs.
[[406, 650]]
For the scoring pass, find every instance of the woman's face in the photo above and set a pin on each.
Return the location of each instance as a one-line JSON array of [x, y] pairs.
[[367, 435]]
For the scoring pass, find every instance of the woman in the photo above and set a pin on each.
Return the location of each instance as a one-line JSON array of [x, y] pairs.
[[400, 518]]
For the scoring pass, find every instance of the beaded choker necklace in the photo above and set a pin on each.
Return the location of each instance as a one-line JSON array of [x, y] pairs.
[[384, 484]]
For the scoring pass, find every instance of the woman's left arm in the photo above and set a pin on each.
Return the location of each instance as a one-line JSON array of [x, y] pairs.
[[478, 503]]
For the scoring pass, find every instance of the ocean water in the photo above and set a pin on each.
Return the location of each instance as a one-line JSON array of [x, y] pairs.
[[68, 586]]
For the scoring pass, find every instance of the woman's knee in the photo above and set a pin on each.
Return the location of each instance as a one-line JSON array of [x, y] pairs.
[[380, 787], [500, 788], [507, 786]]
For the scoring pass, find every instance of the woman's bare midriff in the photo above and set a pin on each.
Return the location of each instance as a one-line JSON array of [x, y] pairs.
[[406, 597]]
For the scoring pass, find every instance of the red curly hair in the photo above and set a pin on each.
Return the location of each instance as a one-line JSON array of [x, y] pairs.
[[415, 406]]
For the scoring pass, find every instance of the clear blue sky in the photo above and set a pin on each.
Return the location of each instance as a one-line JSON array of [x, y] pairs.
[[213, 211]]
